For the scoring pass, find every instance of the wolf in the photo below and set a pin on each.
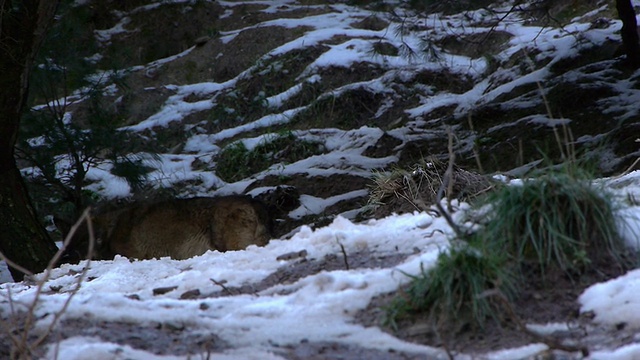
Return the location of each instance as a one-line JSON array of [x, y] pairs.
[[178, 228]]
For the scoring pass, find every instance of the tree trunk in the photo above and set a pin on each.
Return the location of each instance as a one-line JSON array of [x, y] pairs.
[[22, 238], [629, 32], [22, 28]]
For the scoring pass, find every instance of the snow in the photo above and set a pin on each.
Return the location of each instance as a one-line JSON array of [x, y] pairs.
[[327, 301], [318, 307], [615, 301], [314, 205], [108, 184]]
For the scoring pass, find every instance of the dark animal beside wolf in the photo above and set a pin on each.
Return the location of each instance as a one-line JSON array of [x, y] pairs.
[[178, 228]]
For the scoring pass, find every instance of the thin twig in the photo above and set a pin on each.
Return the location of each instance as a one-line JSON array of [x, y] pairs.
[[86, 216], [21, 347], [476, 153], [221, 284], [12, 264], [344, 255], [628, 170], [448, 175]]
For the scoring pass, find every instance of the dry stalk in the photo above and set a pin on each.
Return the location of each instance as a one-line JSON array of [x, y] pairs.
[[449, 172], [476, 153], [628, 170], [415, 198], [566, 145], [446, 180], [12, 264], [344, 255]]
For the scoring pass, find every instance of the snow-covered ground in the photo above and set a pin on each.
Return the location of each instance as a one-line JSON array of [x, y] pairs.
[[318, 307]]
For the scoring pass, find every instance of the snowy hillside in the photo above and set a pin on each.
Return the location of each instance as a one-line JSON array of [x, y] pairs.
[[320, 97]]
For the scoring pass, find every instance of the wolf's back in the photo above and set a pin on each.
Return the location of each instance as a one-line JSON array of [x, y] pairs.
[[183, 228]]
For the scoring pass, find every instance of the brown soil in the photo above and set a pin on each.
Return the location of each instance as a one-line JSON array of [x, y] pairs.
[[551, 301], [156, 337], [163, 338], [301, 267], [476, 45], [337, 351]]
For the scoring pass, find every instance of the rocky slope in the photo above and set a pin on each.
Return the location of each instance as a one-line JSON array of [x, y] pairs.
[[312, 104]]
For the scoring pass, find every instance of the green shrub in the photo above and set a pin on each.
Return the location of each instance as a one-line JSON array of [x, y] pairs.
[[236, 162], [63, 149], [455, 291], [559, 219]]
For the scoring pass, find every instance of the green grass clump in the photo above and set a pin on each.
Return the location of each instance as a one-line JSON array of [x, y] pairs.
[[456, 292], [557, 219], [556, 222], [236, 162]]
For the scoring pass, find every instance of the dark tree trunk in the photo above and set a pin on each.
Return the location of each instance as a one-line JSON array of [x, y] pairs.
[[629, 32], [22, 28]]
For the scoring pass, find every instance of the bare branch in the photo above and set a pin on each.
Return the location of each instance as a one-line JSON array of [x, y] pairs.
[[447, 179], [22, 348]]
